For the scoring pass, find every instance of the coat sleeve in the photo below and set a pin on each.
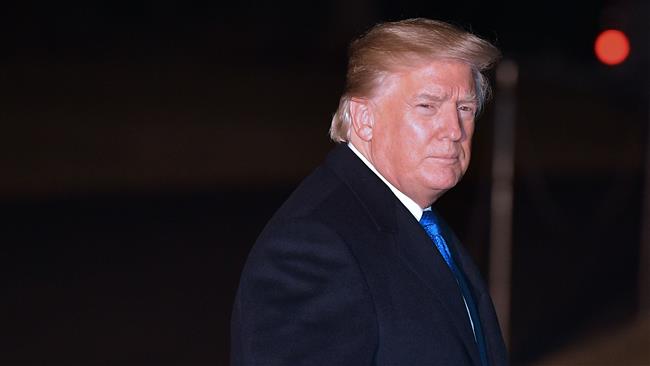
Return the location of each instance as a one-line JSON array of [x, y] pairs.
[[302, 300]]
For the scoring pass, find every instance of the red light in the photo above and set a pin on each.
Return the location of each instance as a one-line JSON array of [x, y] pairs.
[[612, 47]]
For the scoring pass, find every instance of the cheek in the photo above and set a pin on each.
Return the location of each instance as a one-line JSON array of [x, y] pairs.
[[467, 142], [467, 147], [407, 133], [469, 129], [416, 143], [416, 133]]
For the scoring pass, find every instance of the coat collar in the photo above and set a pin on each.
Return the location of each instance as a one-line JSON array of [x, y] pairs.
[[377, 198]]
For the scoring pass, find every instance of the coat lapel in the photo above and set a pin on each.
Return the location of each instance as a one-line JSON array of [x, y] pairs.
[[416, 251], [497, 353], [420, 255]]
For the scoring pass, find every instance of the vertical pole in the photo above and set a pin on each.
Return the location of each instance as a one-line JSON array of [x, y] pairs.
[[502, 192], [644, 248]]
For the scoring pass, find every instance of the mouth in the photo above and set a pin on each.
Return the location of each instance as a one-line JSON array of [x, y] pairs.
[[444, 160], [445, 157]]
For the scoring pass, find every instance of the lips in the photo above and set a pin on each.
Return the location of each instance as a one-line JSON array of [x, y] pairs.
[[445, 156]]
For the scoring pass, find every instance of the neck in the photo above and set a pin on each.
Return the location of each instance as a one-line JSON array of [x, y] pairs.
[[422, 200]]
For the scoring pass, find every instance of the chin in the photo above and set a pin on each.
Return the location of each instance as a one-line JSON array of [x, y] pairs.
[[442, 185], [443, 182]]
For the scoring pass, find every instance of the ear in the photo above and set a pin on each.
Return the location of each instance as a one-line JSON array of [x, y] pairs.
[[362, 118]]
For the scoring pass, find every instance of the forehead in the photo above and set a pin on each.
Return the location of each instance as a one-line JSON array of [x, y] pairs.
[[434, 78]]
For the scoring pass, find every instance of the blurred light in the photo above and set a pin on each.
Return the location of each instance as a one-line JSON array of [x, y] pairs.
[[612, 47]]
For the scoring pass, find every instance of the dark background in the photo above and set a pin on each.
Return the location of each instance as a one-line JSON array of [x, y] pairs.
[[146, 143]]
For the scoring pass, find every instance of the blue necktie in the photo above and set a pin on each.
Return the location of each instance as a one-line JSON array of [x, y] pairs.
[[429, 222]]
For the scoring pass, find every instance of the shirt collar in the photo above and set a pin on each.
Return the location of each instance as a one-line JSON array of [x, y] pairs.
[[413, 207]]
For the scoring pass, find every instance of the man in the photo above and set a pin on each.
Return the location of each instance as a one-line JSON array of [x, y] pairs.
[[355, 268]]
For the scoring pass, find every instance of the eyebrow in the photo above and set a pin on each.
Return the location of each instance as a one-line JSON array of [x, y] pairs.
[[429, 96], [469, 98]]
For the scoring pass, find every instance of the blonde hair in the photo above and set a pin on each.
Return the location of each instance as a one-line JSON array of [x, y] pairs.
[[389, 46]]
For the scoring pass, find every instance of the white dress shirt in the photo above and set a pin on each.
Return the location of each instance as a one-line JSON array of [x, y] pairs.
[[413, 207]]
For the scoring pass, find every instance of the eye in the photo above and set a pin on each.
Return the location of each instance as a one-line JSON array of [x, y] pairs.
[[466, 108], [428, 107]]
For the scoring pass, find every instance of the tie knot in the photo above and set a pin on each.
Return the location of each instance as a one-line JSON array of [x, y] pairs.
[[430, 222]]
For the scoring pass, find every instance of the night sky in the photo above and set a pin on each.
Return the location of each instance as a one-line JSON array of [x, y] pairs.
[[277, 33]]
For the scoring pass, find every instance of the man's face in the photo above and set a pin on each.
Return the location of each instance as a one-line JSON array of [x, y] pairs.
[[423, 126]]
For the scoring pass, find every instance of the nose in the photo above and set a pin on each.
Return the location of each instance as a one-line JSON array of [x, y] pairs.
[[450, 124]]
